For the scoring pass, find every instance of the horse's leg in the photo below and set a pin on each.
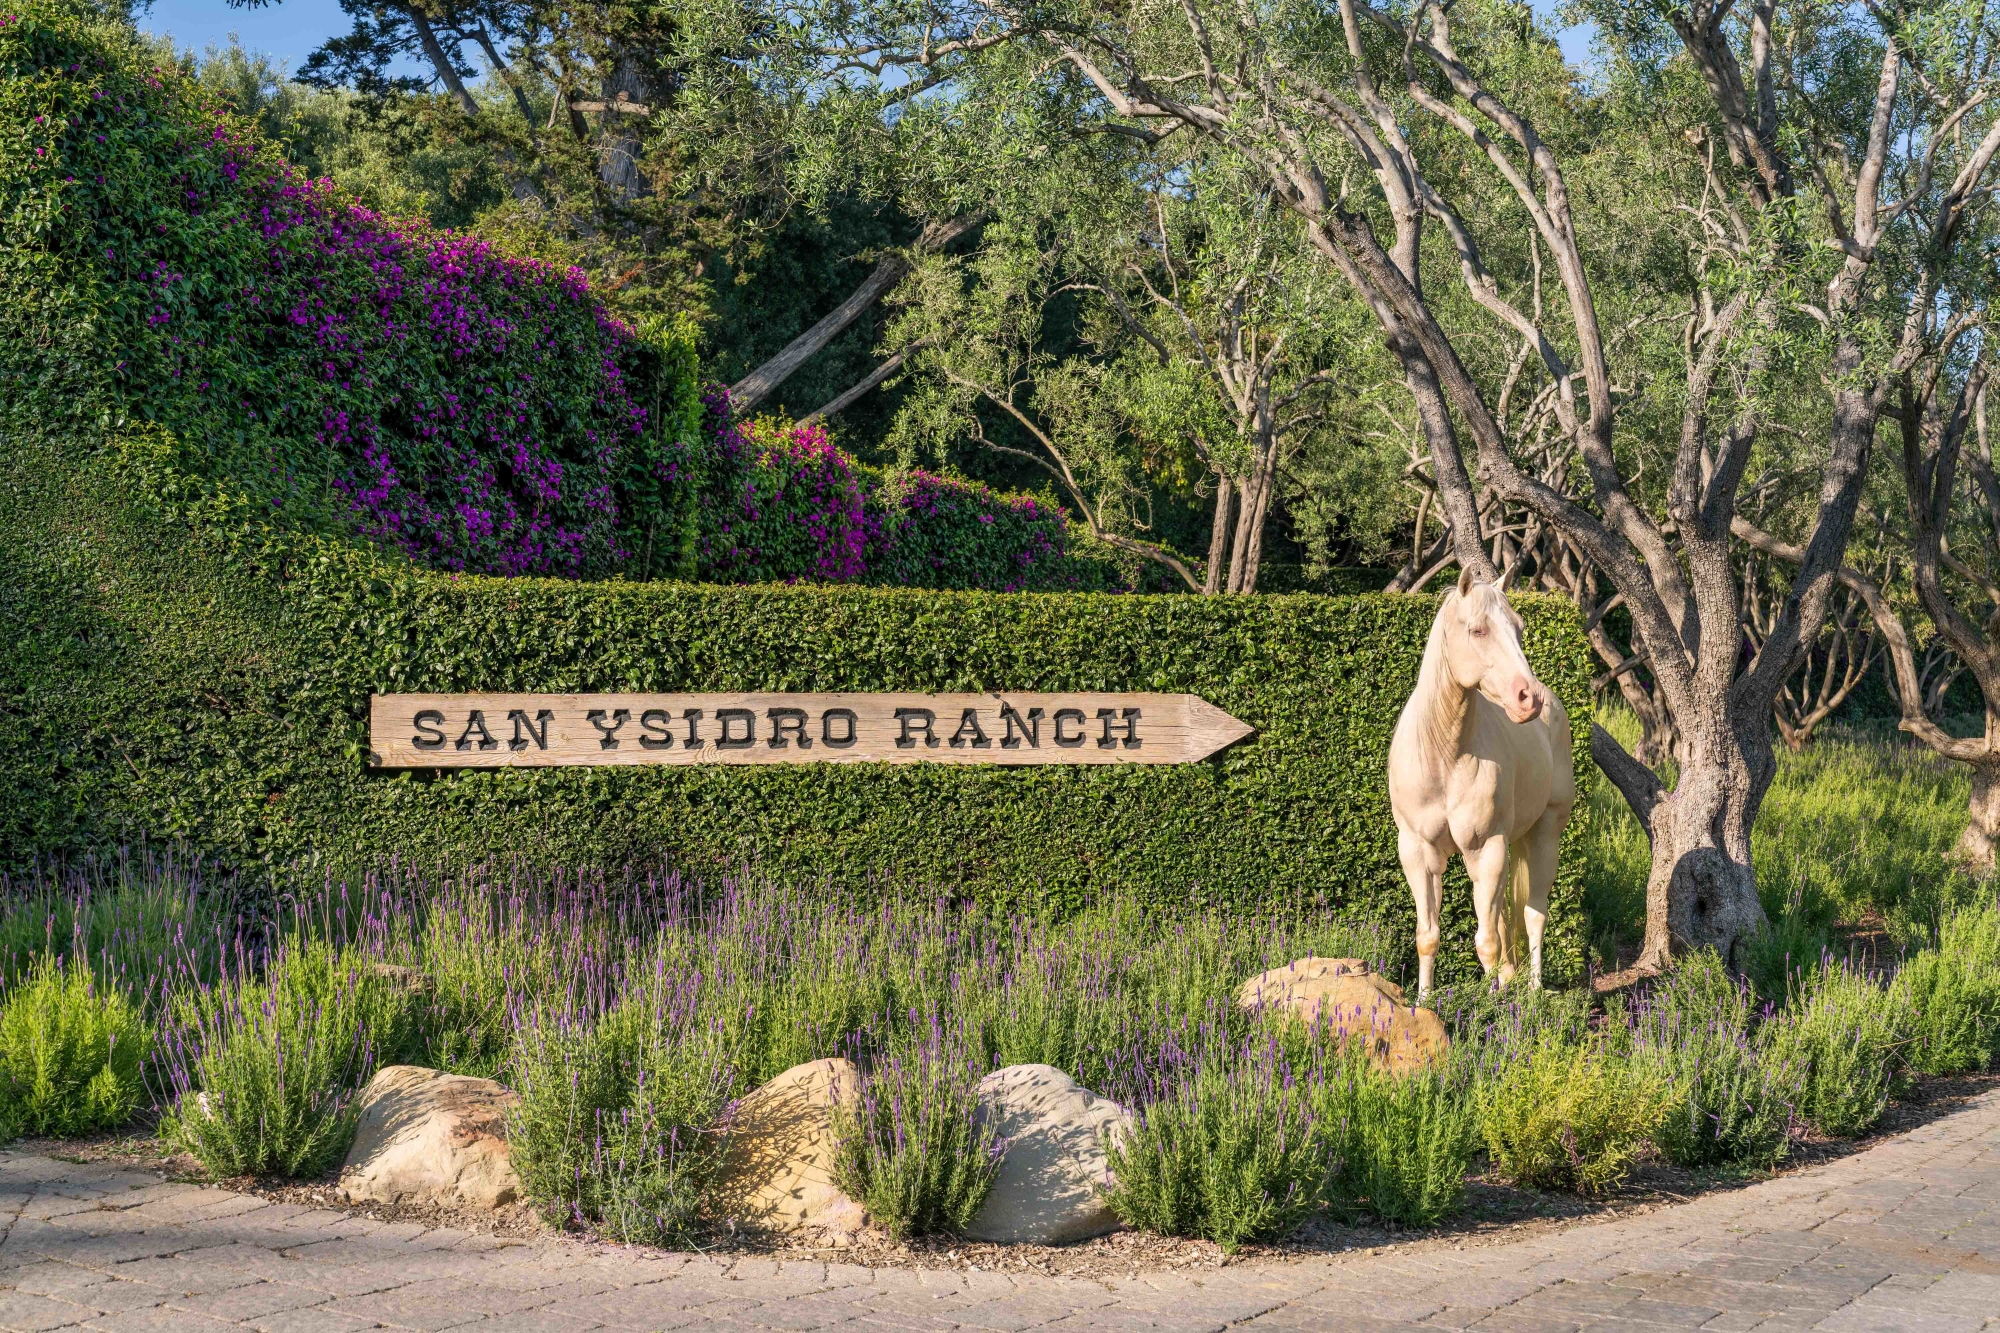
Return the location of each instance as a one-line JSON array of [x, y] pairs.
[[1424, 868], [1487, 865], [1539, 847]]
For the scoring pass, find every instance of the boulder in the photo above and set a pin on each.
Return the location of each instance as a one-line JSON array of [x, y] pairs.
[[1356, 1002], [433, 1138], [778, 1172], [1048, 1191]]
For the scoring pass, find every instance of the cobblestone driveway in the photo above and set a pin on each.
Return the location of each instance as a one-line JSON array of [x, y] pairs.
[[1904, 1236]]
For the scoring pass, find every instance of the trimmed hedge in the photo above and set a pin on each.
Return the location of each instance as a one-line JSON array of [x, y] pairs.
[[174, 670]]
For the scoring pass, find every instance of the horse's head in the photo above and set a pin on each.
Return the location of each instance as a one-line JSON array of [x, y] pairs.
[[1482, 648]]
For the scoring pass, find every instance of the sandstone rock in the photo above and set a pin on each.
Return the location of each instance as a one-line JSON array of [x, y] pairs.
[[431, 1137], [777, 1174], [1276, 986], [1347, 995], [1047, 1192]]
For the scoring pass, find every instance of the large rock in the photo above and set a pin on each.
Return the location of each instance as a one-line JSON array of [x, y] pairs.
[[1357, 1002], [778, 1172], [1049, 1188], [431, 1137]]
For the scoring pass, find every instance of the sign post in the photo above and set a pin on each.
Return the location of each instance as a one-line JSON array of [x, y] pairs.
[[539, 730]]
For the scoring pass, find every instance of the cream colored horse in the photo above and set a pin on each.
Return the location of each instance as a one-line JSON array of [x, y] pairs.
[[1480, 765]]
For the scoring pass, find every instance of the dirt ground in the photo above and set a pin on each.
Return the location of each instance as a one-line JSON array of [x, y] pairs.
[[1495, 1213]]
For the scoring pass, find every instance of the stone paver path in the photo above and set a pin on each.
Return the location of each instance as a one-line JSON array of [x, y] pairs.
[[1904, 1236]]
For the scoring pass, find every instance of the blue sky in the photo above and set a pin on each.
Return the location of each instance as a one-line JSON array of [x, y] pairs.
[[289, 31]]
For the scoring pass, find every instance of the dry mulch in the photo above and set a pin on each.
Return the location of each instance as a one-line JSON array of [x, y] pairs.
[[1494, 1213]]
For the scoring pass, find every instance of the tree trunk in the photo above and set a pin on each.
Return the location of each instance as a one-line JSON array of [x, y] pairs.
[[753, 388], [1701, 891], [1254, 556], [619, 151], [434, 51], [1251, 511], [1978, 848], [1218, 533]]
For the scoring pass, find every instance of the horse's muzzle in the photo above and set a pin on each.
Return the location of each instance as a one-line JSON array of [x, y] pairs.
[[1525, 703]]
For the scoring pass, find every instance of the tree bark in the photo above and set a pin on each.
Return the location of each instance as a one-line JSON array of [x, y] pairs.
[[1250, 512], [1701, 891], [1218, 533], [620, 149], [1979, 846], [1250, 535]]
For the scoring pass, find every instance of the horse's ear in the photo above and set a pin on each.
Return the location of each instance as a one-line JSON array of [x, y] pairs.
[[1465, 582]]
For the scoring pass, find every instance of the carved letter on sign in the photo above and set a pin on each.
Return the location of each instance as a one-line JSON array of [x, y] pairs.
[[409, 730]]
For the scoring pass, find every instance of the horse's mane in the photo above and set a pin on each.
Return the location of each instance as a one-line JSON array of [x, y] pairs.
[[1440, 730]]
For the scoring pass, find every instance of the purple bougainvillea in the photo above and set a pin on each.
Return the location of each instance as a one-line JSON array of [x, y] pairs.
[[783, 504], [476, 411], [488, 462]]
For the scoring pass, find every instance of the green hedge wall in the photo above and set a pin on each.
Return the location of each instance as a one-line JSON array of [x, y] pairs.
[[175, 671]]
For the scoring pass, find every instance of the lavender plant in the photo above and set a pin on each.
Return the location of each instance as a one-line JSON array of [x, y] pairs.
[[71, 1052], [263, 1066], [1726, 1101], [479, 955], [909, 1146], [621, 1118], [1846, 1035], [1226, 1141], [1405, 1142], [130, 918]]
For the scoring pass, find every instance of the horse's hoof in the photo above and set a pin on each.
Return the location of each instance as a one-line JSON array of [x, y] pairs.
[[1506, 974]]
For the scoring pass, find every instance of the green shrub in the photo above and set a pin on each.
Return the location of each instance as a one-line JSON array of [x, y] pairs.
[[265, 1068], [909, 1145], [1405, 1143], [1569, 1117], [1844, 1037], [1225, 1144], [71, 1052], [1725, 1102], [179, 252], [1955, 989]]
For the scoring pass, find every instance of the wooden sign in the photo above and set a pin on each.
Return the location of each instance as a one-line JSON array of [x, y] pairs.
[[536, 730]]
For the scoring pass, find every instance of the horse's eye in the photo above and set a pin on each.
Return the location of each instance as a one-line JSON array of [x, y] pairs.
[[1479, 632]]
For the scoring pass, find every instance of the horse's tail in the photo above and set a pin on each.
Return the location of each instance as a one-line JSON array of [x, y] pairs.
[[1514, 925]]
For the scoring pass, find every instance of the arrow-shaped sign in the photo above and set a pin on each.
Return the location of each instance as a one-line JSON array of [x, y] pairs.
[[537, 730]]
